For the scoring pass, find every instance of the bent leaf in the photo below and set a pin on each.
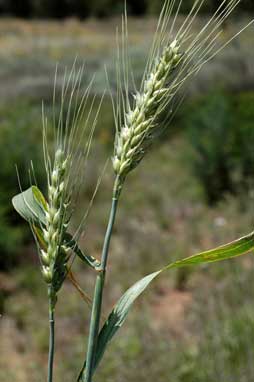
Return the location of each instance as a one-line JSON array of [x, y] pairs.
[[31, 205], [71, 243], [119, 313]]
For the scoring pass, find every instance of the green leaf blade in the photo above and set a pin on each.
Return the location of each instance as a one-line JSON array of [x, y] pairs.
[[71, 243], [119, 314], [120, 311], [236, 248], [31, 205]]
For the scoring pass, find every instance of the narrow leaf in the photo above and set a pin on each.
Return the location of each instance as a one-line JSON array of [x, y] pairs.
[[122, 307], [235, 248], [119, 314], [39, 236], [89, 260]]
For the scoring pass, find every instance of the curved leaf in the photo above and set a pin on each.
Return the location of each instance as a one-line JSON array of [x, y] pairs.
[[70, 242], [119, 314], [31, 205], [122, 307]]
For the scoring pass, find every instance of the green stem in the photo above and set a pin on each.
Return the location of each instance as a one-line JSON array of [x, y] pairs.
[[51, 338], [99, 286]]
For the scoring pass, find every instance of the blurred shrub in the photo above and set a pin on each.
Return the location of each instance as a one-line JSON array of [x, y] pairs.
[[20, 130], [243, 129], [220, 128]]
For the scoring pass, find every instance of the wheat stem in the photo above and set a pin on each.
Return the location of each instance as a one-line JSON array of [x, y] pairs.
[[51, 338], [99, 287]]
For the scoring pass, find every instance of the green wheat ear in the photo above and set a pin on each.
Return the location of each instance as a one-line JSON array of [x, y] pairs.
[[141, 121], [66, 129], [65, 169], [67, 138], [56, 224], [175, 57]]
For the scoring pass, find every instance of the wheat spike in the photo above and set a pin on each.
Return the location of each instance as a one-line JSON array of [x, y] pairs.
[[56, 216], [175, 57], [140, 121]]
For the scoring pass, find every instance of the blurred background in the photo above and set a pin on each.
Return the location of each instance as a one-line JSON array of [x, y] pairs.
[[192, 192]]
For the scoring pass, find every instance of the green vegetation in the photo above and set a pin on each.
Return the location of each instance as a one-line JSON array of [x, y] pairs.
[[220, 130], [18, 135]]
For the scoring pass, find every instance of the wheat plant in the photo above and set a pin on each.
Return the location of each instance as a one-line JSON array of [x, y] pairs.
[[65, 161], [176, 55]]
